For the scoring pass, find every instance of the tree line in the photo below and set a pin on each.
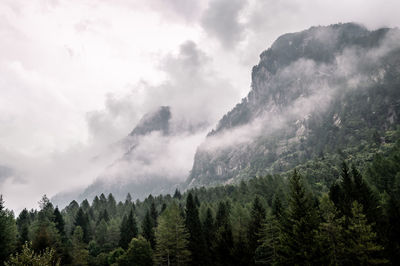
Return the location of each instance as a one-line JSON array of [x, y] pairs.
[[271, 220]]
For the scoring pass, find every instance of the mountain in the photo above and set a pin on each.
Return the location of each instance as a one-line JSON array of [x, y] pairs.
[[324, 94], [136, 171]]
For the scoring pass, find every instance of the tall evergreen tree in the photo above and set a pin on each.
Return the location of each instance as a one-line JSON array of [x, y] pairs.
[[267, 251], [361, 247], [172, 238], [153, 213], [257, 220], [128, 230], [8, 232], [193, 224], [148, 229], [224, 238], [82, 220], [300, 224], [59, 221], [209, 234], [23, 222]]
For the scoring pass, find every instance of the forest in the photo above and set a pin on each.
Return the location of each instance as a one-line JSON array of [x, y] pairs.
[[269, 220]]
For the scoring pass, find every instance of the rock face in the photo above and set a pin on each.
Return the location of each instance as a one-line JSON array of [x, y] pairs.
[[313, 93], [154, 121], [136, 171]]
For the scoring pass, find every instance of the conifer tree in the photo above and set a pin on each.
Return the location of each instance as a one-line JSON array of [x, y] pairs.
[[330, 234], [172, 238], [79, 247], [267, 251], [257, 220], [361, 247], [82, 220], [300, 224], [153, 214], [59, 221], [209, 233], [224, 238], [128, 230], [23, 222], [8, 232], [148, 229], [193, 224]]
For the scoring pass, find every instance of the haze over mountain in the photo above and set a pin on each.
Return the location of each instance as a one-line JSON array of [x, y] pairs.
[[77, 76], [314, 93]]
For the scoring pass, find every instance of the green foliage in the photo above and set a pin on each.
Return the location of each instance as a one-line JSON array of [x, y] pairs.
[[298, 238], [8, 232], [128, 230], [196, 239], [172, 238], [361, 247], [27, 257], [138, 253]]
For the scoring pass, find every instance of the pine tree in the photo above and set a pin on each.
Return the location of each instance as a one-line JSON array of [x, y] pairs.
[[82, 220], [172, 238], [209, 233], [177, 194], [193, 224], [257, 220], [360, 245], [148, 229], [128, 230], [224, 237], [267, 251], [23, 222], [153, 213], [330, 234], [79, 250], [300, 224], [59, 221], [8, 232]]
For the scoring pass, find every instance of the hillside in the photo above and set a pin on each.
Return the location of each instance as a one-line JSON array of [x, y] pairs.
[[324, 93]]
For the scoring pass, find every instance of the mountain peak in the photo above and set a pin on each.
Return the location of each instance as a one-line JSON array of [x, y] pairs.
[[157, 120]]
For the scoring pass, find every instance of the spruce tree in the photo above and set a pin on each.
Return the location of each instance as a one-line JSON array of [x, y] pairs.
[[82, 220], [128, 230], [193, 224], [361, 247], [172, 238], [209, 234], [148, 229], [300, 224], [267, 250], [8, 232], [224, 238], [257, 219], [23, 222], [59, 221], [153, 213]]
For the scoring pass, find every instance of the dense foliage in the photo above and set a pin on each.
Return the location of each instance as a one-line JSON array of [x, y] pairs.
[[271, 220]]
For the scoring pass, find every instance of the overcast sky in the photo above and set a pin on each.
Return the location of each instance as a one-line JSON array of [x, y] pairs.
[[76, 75]]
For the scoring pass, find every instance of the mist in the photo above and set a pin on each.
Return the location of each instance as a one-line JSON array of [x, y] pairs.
[[76, 77]]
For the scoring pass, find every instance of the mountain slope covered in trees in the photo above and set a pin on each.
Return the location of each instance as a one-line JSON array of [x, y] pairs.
[[326, 92]]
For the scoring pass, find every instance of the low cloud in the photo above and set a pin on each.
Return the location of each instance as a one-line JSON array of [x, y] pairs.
[[222, 20]]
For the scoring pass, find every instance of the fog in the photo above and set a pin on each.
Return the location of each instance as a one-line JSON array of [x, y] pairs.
[[76, 77]]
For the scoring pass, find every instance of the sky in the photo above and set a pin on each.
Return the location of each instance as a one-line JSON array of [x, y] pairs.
[[77, 75]]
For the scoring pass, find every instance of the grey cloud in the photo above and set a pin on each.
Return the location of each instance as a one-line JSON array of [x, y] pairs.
[[221, 20]]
